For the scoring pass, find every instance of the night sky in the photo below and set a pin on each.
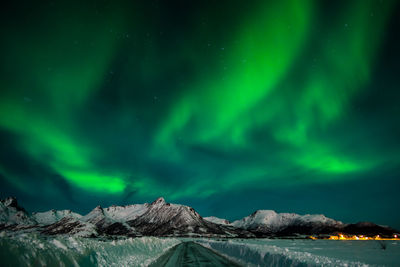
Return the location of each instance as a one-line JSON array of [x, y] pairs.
[[227, 106]]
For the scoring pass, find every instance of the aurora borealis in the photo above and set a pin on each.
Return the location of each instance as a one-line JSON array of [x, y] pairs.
[[228, 106]]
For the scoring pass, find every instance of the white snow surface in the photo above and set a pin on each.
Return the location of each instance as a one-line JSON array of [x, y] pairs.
[[125, 213], [301, 252], [276, 221], [10, 215], [53, 216], [217, 220], [35, 250], [116, 213], [110, 215]]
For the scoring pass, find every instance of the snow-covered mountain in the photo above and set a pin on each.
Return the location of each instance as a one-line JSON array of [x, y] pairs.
[[99, 221], [12, 214], [126, 213], [160, 218], [165, 219], [52, 216], [217, 220], [368, 227], [111, 223], [271, 222], [70, 226]]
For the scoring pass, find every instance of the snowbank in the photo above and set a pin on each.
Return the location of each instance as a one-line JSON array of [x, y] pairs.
[[275, 252], [34, 250]]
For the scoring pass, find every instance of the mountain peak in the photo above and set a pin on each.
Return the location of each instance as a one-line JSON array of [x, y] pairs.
[[264, 212], [12, 202], [158, 201], [217, 220]]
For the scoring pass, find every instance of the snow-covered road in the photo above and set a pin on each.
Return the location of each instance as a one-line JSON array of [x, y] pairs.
[[191, 254]]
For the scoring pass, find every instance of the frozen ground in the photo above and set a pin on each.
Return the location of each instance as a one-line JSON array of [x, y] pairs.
[[275, 252], [36, 250], [192, 254]]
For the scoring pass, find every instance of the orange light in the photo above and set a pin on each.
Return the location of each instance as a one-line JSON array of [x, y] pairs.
[[361, 237], [355, 237]]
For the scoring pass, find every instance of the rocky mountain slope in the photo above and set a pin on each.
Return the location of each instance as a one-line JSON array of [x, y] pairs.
[[165, 219]]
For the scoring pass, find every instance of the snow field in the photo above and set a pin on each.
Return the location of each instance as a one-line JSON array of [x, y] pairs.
[[34, 250], [279, 252]]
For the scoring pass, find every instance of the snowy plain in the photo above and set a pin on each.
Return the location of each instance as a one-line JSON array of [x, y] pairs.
[[305, 252], [35, 250], [30, 249]]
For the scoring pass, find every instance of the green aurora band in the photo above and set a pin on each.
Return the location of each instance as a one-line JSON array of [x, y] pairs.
[[124, 100]]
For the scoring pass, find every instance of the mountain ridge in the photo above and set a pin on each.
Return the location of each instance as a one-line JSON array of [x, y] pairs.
[[160, 218]]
